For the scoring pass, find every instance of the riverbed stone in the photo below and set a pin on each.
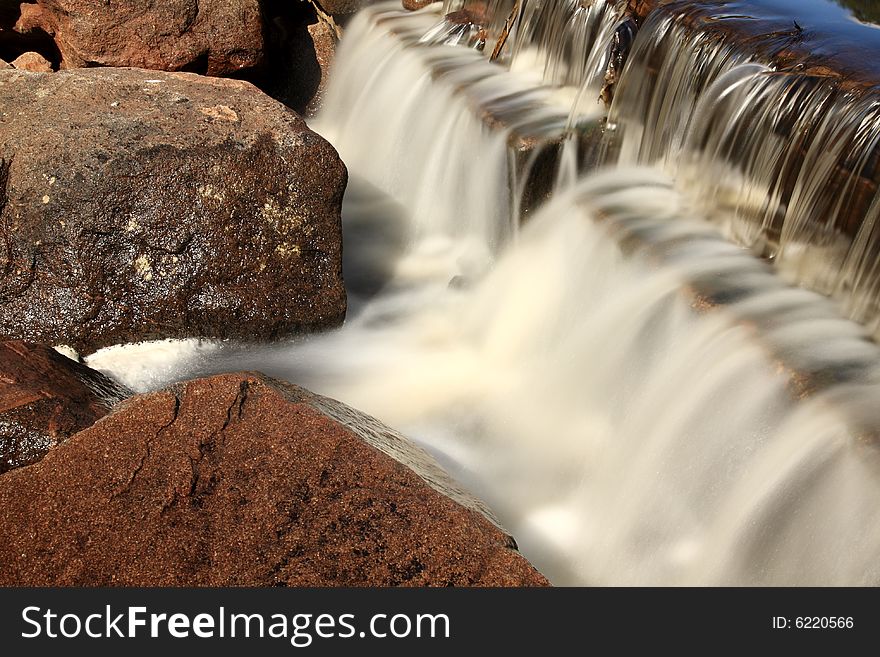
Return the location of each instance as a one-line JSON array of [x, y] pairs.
[[413, 5], [239, 480], [341, 7], [216, 37], [142, 205]]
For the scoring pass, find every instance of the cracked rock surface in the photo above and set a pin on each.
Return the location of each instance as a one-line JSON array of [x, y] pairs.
[[235, 480], [142, 205]]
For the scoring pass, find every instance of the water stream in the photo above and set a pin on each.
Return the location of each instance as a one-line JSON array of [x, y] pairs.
[[650, 379]]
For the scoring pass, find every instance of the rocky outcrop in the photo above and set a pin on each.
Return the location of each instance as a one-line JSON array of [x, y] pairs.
[[44, 399], [138, 205], [32, 61], [216, 37], [240, 480]]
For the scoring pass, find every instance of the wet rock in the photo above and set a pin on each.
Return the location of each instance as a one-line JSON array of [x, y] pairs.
[[44, 399], [216, 37], [341, 7], [322, 40], [32, 61], [412, 5], [641, 8], [621, 45], [158, 205], [462, 27], [791, 37], [240, 480]]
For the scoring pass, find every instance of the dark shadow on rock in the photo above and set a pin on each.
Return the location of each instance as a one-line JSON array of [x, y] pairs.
[[198, 65], [299, 48]]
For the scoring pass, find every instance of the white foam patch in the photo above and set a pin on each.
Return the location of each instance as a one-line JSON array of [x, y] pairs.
[[146, 366]]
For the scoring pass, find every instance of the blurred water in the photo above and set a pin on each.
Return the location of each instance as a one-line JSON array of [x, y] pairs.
[[639, 400]]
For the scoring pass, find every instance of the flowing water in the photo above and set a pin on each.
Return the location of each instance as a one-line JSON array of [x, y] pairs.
[[641, 398]]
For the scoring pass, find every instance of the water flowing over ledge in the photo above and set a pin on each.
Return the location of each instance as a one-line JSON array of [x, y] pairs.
[[639, 400], [783, 154]]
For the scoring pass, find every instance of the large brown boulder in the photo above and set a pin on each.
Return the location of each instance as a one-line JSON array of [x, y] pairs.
[[240, 480], [216, 37], [138, 205], [44, 399]]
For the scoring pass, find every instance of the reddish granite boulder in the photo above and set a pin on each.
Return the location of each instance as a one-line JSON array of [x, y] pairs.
[[44, 399], [216, 37], [240, 480], [138, 205]]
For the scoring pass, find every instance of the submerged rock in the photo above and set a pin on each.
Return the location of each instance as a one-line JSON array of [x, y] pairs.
[[44, 399], [240, 480], [216, 37], [138, 205]]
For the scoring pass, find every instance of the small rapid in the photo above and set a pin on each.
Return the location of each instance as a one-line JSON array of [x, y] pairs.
[[641, 399]]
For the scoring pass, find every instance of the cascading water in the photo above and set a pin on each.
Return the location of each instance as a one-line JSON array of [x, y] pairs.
[[785, 159], [639, 400]]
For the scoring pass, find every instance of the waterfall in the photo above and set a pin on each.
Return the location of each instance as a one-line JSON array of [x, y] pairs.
[[639, 398], [785, 159]]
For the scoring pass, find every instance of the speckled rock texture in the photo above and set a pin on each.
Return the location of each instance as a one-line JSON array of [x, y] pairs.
[[240, 480], [32, 61], [138, 205], [342, 7], [412, 5], [44, 399], [215, 37]]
